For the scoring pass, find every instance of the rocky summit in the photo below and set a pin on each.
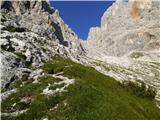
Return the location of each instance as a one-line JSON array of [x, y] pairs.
[[48, 73]]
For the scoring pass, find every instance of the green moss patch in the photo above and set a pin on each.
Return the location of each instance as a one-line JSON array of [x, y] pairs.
[[20, 55]]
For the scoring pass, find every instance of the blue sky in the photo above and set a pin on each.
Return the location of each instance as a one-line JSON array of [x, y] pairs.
[[81, 15]]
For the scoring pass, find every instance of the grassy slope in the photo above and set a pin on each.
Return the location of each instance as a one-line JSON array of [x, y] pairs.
[[93, 96]]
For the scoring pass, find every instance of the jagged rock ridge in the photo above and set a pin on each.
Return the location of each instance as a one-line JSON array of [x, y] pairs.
[[32, 32]]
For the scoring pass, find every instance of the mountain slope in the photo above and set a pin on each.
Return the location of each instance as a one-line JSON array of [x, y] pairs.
[[89, 95], [32, 32], [127, 46], [41, 81]]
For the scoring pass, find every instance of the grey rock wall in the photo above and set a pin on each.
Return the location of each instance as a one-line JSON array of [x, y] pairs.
[[127, 27], [31, 33]]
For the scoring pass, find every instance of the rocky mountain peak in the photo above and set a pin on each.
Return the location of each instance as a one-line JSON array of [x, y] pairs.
[[20, 7]]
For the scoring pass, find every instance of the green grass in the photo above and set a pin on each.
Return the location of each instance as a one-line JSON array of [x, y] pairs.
[[93, 96], [96, 96], [38, 105], [140, 89], [21, 55]]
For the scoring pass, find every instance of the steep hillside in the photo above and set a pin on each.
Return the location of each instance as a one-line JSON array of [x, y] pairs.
[[127, 44], [48, 74], [68, 90]]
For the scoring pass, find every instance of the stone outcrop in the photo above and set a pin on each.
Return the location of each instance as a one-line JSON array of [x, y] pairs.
[[31, 33]]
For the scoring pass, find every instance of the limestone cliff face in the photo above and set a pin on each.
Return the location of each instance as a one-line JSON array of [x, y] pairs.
[[127, 27], [39, 18], [126, 45], [32, 32]]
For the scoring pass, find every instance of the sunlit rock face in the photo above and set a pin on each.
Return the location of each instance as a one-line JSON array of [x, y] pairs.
[[33, 32], [126, 27], [126, 45]]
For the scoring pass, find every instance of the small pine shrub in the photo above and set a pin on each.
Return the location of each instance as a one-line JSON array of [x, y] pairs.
[[140, 89], [151, 93]]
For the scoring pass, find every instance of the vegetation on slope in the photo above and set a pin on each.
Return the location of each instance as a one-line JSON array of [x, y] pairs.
[[93, 96], [140, 89], [21, 55], [136, 55], [14, 29]]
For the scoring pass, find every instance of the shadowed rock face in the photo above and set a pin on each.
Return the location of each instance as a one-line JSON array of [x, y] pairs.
[[33, 32]]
